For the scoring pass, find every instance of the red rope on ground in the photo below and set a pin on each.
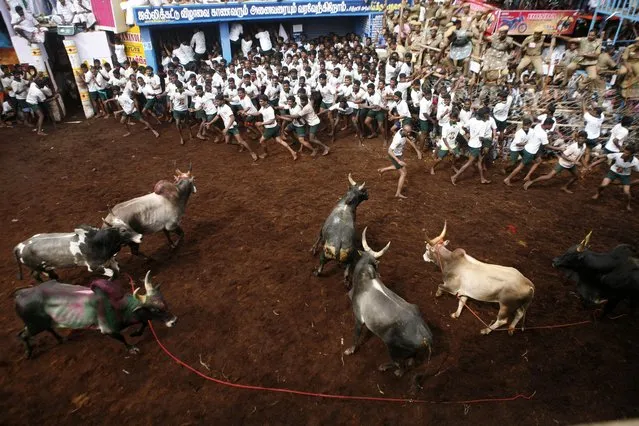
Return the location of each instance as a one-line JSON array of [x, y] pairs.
[[321, 395]]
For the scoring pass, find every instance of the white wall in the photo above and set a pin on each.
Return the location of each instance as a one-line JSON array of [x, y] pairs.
[[92, 45]]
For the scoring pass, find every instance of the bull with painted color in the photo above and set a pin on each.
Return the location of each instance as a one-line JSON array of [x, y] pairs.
[[467, 277], [104, 305], [602, 278], [398, 323], [161, 210], [337, 236], [87, 246]]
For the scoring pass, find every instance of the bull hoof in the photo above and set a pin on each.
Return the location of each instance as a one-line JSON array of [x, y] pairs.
[[316, 273], [511, 331], [399, 372], [454, 315], [134, 350], [486, 330], [439, 293], [350, 351]]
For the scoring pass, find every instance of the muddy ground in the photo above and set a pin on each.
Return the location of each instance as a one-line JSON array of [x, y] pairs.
[[250, 308]]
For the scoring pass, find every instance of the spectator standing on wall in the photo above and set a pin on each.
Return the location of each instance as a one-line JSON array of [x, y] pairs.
[[198, 43], [266, 47], [234, 35]]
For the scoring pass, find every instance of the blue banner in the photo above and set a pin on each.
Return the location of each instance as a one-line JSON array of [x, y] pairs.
[[198, 13]]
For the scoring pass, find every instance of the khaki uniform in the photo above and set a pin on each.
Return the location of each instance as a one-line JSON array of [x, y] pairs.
[[630, 62], [444, 14], [497, 55], [579, 62], [532, 56]]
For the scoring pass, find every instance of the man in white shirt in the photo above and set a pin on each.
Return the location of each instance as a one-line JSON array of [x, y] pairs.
[[230, 129], [519, 142], [618, 136], [376, 112], [271, 129], [235, 31], [530, 155], [623, 163], [593, 119], [568, 160], [64, 13], [478, 128], [448, 142], [83, 13], [266, 47], [198, 43], [395, 154], [125, 99], [27, 26], [246, 45], [35, 96]]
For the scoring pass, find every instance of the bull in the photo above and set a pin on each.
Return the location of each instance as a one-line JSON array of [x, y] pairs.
[[103, 306], [337, 236], [161, 210], [602, 278], [467, 277], [398, 323], [87, 246]]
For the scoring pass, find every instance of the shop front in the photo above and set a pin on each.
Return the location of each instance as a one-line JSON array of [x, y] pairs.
[[313, 19]]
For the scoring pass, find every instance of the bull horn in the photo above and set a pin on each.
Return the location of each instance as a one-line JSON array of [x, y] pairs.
[[178, 172], [362, 186], [440, 238], [584, 243], [147, 284], [350, 179], [135, 293], [190, 166], [106, 222], [375, 254]]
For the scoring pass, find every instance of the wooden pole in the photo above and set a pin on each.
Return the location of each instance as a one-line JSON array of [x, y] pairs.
[[545, 78]]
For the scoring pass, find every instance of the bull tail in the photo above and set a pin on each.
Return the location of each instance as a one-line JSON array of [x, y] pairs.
[[526, 305], [17, 256]]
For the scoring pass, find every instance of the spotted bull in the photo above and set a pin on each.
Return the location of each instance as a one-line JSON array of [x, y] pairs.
[[161, 210], [337, 236], [104, 306], [398, 323], [87, 246], [467, 277], [602, 278]]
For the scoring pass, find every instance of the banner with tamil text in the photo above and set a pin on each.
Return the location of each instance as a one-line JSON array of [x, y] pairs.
[[133, 46]]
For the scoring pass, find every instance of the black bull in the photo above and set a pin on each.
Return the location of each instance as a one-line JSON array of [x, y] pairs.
[[602, 278]]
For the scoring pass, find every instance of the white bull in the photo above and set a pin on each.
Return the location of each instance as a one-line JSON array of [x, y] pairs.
[[465, 276]]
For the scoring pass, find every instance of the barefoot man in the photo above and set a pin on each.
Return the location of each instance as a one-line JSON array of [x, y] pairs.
[[395, 153]]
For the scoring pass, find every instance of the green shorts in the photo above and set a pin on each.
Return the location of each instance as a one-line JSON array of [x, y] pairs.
[[21, 103], [274, 103], [591, 143], [210, 117], [559, 168], [362, 112], [233, 131], [104, 95], [528, 158], [150, 103], [34, 107], [94, 95], [284, 111], [299, 130], [377, 115], [179, 115], [407, 120], [200, 115], [424, 126], [271, 132], [613, 176], [395, 163], [325, 105], [474, 152], [442, 153], [313, 129], [135, 114], [515, 156]]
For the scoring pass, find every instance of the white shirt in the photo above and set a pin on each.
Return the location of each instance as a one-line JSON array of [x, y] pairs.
[[443, 112], [593, 125], [622, 167], [20, 88], [198, 43], [309, 115], [328, 93], [358, 96], [89, 78], [402, 109], [127, 104], [375, 101], [6, 107], [464, 117], [35, 95], [66, 11], [573, 152], [536, 139], [477, 129], [268, 114], [425, 108], [247, 45], [206, 103], [226, 114], [6, 84], [235, 31], [521, 137], [398, 143], [120, 54], [543, 117], [180, 101], [501, 109], [265, 41], [247, 105], [449, 133], [617, 132]]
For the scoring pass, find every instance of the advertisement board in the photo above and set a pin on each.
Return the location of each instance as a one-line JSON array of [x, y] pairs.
[[133, 46], [526, 22]]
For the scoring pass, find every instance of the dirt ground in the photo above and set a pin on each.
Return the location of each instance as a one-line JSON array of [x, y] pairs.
[[250, 308]]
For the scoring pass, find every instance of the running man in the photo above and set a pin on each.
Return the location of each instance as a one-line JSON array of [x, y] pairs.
[[623, 163], [271, 128], [395, 153], [129, 110], [225, 113]]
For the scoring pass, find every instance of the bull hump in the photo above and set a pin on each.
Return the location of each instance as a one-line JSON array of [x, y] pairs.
[[166, 189]]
